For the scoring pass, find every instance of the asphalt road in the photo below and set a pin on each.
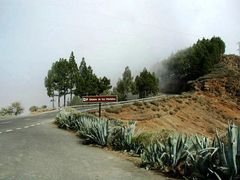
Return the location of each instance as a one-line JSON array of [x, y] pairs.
[[33, 148]]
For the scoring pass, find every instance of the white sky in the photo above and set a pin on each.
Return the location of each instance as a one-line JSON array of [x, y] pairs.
[[110, 34]]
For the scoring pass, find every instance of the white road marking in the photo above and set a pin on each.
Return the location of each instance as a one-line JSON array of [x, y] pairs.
[[7, 122], [32, 125], [9, 130], [27, 119]]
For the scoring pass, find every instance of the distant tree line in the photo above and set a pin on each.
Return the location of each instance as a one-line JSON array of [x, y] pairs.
[[189, 64], [36, 108], [144, 84], [66, 78], [14, 109]]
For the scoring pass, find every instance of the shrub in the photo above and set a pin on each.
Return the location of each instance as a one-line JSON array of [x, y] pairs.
[[155, 103], [94, 130], [44, 106], [76, 100], [122, 137], [63, 119], [33, 108], [125, 105], [169, 156], [137, 103], [114, 109], [154, 108]]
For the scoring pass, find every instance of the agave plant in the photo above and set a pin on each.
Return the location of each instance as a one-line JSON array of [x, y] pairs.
[[169, 156], [175, 154], [201, 164], [93, 130], [122, 137], [63, 119], [229, 162], [152, 154], [218, 161]]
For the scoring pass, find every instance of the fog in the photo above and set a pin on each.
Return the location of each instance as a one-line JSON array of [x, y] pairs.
[[109, 34]]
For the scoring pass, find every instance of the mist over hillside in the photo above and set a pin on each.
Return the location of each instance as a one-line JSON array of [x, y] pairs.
[[110, 35]]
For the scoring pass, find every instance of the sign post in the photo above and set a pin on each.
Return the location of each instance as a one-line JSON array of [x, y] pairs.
[[99, 111], [100, 100]]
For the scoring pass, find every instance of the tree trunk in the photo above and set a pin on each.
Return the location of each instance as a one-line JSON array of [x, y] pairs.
[[71, 96], [58, 100], [64, 101], [53, 102]]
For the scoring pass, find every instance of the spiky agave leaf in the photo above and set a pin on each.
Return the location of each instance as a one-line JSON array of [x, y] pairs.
[[175, 153], [122, 138]]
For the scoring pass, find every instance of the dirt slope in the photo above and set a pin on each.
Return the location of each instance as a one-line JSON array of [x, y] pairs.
[[214, 102]]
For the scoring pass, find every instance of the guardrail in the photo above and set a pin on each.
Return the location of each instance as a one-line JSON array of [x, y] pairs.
[[105, 105]]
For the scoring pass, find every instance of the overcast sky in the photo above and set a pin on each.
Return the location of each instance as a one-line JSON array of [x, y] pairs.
[[110, 34]]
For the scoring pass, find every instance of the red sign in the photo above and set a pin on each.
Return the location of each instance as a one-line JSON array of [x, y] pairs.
[[98, 99]]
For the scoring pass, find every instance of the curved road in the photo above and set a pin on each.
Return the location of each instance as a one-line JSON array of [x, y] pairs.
[[33, 148]]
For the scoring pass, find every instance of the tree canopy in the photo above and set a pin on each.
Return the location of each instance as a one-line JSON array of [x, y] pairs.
[[190, 63], [73, 74], [146, 83], [14, 109], [125, 85], [65, 77]]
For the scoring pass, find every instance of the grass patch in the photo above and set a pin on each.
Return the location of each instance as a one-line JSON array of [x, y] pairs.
[[138, 103], [155, 103], [114, 109], [154, 108]]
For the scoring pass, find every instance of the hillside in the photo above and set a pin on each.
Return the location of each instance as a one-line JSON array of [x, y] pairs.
[[223, 81], [213, 102]]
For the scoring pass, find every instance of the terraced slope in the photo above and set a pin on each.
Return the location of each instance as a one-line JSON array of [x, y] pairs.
[[214, 101]]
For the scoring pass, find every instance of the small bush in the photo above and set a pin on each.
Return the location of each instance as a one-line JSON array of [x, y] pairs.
[[154, 108], [137, 103], [148, 105], [179, 101], [134, 108], [114, 109], [94, 130], [171, 113], [165, 109], [125, 105], [169, 156], [155, 103], [75, 101], [122, 137], [33, 108], [44, 106]]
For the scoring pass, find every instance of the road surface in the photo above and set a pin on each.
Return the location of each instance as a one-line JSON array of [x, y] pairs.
[[33, 148]]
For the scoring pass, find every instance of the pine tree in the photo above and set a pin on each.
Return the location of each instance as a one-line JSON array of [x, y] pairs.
[[146, 83], [125, 85], [73, 73]]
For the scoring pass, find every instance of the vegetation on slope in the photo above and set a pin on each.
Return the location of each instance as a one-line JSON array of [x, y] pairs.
[[144, 84], [189, 64]]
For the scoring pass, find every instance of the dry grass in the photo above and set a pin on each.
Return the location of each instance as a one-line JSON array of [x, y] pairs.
[[114, 109]]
